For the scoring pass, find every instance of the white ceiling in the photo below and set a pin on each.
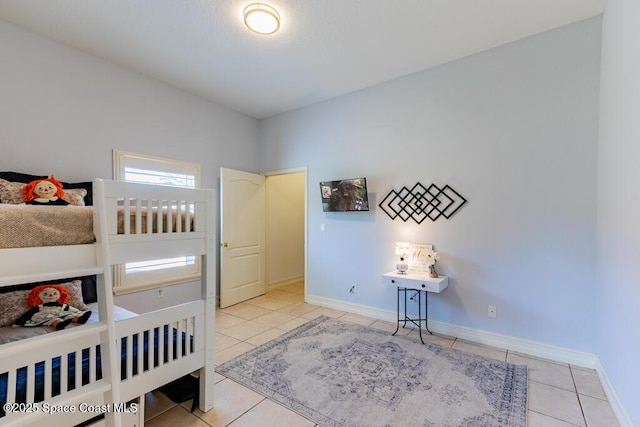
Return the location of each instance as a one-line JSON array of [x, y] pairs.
[[324, 48]]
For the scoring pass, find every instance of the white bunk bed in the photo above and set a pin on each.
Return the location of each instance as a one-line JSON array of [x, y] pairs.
[[138, 354]]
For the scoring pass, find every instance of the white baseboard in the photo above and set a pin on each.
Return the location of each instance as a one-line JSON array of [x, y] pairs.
[[616, 405], [363, 310], [520, 345], [507, 342]]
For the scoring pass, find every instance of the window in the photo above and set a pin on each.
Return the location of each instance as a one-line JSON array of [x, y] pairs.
[[146, 169]]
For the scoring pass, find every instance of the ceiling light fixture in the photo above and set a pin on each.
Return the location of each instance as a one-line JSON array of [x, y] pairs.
[[261, 18]]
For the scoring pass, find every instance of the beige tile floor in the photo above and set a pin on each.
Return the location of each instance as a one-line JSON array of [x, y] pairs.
[[559, 395]]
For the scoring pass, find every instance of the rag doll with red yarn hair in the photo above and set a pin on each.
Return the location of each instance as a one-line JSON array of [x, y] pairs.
[[46, 191], [50, 308]]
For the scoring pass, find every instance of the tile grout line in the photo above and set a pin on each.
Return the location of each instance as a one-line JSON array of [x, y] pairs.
[[575, 386]]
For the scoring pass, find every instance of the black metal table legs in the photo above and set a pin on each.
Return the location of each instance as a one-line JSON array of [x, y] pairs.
[[415, 320]]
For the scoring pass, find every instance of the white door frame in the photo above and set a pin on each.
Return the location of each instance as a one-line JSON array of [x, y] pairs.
[[305, 171]]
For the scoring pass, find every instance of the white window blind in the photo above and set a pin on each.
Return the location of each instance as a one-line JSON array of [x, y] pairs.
[[149, 176], [161, 171]]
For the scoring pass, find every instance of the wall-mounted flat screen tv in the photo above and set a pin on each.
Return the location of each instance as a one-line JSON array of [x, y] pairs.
[[345, 195]]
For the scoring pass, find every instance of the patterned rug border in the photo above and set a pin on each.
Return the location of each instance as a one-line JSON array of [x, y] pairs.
[[516, 375]]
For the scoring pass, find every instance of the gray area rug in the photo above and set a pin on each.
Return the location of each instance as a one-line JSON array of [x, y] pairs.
[[338, 373]]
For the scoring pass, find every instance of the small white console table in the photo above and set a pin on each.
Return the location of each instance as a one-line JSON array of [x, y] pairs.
[[415, 284]]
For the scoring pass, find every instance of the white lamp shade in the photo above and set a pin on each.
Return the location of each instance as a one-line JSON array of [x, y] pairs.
[[402, 248]]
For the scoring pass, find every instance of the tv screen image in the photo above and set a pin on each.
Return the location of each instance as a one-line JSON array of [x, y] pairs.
[[345, 195]]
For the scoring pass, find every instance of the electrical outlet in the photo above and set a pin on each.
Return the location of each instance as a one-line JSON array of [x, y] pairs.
[[491, 311], [160, 293], [353, 289]]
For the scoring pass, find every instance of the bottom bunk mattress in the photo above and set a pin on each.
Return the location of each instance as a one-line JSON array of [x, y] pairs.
[[11, 334], [154, 348]]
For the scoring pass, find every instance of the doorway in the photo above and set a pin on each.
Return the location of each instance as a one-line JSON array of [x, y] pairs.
[[263, 232], [286, 228]]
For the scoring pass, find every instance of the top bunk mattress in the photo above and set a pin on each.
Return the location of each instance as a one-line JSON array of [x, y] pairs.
[[25, 226]]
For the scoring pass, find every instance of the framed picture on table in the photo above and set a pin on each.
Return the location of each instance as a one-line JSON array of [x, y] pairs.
[[419, 258]]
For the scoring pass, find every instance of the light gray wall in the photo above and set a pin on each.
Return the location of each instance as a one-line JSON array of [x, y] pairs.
[[63, 111], [513, 129], [618, 293]]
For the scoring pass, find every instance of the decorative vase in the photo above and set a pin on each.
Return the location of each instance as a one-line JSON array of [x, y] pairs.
[[432, 271], [402, 266]]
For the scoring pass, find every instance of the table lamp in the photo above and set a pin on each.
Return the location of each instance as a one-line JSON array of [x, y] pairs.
[[402, 249]]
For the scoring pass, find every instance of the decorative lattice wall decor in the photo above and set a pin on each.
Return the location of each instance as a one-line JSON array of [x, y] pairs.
[[420, 203]]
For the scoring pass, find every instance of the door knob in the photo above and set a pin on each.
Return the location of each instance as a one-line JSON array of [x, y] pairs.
[[225, 244]]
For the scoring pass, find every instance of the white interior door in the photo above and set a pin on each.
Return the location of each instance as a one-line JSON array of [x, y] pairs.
[[242, 235]]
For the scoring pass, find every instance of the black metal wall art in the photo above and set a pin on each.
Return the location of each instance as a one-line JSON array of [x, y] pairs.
[[420, 203]]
